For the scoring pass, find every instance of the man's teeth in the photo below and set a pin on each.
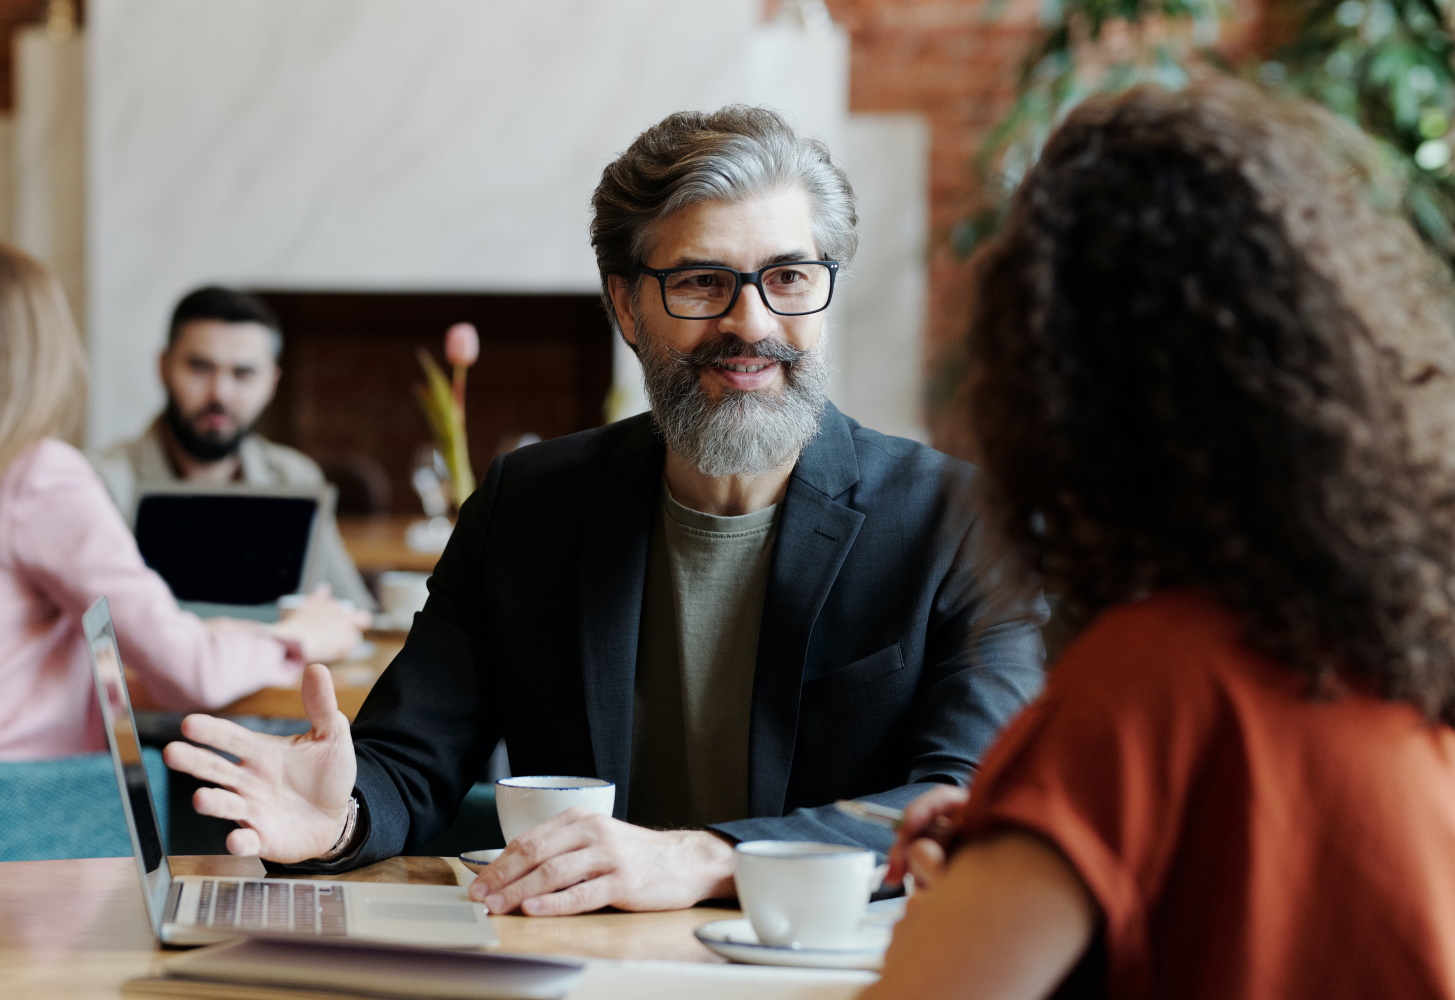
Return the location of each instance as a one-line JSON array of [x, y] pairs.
[[742, 368]]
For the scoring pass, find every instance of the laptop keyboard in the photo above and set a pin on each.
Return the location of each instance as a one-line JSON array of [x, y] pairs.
[[288, 907]]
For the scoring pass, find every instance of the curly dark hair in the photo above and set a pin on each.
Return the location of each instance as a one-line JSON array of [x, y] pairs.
[[1206, 354]]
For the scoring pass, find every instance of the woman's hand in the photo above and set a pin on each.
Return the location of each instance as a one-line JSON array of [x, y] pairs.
[[325, 628], [931, 824]]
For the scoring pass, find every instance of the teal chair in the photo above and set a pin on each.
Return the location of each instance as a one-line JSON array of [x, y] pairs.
[[68, 807]]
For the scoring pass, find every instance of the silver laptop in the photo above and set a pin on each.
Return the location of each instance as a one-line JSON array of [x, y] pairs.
[[195, 909], [235, 549]]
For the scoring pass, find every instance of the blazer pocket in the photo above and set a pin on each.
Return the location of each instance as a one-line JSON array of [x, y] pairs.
[[842, 680]]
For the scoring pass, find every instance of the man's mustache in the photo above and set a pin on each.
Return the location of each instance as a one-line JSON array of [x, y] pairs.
[[212, 409], [716, 351]]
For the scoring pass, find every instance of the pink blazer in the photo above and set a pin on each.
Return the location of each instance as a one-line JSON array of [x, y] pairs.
[[62, 545]]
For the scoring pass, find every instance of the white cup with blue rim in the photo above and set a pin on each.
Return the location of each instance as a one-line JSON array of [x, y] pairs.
[[529, 801], [805, 895]]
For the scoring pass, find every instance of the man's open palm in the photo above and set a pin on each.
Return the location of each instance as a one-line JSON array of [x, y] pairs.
[[288, 794]]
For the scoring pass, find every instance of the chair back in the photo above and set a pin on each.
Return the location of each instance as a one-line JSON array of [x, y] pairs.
[[69, 807]]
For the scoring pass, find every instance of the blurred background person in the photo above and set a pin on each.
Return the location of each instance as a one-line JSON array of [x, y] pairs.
[[1210, 384], [63, 545], [220, 371]]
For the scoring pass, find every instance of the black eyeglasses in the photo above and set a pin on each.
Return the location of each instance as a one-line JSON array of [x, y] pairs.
[[797, 288]]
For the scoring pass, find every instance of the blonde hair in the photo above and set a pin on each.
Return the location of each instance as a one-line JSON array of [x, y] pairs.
[[42, 359]]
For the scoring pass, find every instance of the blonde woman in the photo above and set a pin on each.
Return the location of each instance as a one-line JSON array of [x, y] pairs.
[[63, 544]]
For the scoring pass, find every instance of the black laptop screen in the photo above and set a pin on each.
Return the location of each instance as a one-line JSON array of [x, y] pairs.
[[226, 548]]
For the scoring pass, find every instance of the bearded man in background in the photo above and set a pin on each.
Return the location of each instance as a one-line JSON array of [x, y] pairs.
[[738, 607], [220, 371]]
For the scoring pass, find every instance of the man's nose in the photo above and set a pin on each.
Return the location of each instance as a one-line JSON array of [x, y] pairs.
[[750, 318]]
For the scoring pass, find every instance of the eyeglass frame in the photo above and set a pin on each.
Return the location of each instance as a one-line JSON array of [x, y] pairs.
[[743, 278]]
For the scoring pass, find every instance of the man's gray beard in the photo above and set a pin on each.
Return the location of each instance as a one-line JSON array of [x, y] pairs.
[[743, 433]]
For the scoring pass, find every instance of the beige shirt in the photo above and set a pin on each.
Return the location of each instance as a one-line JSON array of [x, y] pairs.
[[707, 578], [128, 466]]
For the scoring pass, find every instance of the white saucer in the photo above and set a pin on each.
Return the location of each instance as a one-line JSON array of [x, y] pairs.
[[480, 859], [736, 941]]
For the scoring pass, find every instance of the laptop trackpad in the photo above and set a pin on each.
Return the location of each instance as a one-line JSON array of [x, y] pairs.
[[383, 909]]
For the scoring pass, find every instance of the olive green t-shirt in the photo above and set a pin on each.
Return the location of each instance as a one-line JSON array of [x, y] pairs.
[[707, 577]]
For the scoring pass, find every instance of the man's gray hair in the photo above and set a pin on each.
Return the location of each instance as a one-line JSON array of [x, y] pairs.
[[733, 154]]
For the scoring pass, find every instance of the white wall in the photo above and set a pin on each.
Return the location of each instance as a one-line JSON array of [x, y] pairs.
[[880, 315]]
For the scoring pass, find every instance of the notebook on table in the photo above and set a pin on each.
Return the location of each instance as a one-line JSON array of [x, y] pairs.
[[194, 909]]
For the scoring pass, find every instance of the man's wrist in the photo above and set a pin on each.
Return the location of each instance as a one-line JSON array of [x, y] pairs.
[[719, 865], [347, 835]]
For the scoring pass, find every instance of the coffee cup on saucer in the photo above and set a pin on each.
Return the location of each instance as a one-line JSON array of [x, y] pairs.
[[805, 895], [524, 802], [401, 594]]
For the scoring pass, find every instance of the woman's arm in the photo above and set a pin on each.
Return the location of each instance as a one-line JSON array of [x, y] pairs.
[[1007, 920], [72, 544]]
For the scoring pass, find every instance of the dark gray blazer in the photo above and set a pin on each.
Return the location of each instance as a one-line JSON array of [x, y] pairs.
[[881, 668]]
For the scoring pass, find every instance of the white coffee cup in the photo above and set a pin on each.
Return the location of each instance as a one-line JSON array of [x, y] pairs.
[[401, 594], [529, 801], [805, 895]]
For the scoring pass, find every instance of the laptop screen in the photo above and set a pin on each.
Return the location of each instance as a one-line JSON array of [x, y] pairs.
[[131, 776], [235, 547]]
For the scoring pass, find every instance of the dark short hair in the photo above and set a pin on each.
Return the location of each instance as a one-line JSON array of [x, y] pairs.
[[227, 305], [1202, 356]]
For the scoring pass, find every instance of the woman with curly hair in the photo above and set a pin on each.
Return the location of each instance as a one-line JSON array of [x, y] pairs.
[[1211, 382]]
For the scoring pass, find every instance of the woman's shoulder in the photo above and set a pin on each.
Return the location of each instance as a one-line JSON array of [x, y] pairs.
[[46, 464]]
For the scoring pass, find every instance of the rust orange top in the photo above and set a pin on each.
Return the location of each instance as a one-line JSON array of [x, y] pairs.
[[1242, 838]]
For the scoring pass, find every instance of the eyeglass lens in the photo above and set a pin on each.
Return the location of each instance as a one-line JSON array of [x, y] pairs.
[[790, 289]]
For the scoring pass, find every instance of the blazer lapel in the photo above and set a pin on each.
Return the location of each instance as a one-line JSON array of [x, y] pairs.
[[815, 534], [613, 575]]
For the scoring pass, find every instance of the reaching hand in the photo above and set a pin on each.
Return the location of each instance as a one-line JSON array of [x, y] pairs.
[[289, 795], [929, 827], [326, 628], [581, 861]]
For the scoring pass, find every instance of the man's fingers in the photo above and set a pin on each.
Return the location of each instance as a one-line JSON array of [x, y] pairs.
[[221, 803], [203, 764], [559, 872], [223, 734], [583, 897], [537, 845], [244, 843], [320, 703]]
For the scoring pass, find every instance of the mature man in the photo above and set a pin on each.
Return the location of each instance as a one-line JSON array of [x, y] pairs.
[[220, 371], [738, 608]]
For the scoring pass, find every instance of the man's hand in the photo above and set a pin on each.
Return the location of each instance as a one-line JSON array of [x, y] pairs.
[[289, 795], [931, 823], [581, 861]]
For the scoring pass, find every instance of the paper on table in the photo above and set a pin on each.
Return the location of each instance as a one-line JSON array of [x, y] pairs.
[[604, 980]]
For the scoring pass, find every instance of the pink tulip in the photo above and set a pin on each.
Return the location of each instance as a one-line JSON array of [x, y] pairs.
[[462, 345]]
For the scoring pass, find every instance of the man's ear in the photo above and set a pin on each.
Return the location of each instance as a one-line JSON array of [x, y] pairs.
[[162, 360], [621, 304]]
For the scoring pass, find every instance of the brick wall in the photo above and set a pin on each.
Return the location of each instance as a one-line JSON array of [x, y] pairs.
[[956, 63]]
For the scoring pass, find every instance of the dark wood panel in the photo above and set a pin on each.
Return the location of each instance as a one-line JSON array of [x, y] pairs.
[[349, 366]]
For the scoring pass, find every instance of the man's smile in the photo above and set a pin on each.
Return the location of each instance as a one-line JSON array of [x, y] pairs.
[[744, 374]]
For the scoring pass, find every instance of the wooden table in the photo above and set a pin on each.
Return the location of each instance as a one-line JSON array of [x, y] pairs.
[[76, 930], [376, 543]]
